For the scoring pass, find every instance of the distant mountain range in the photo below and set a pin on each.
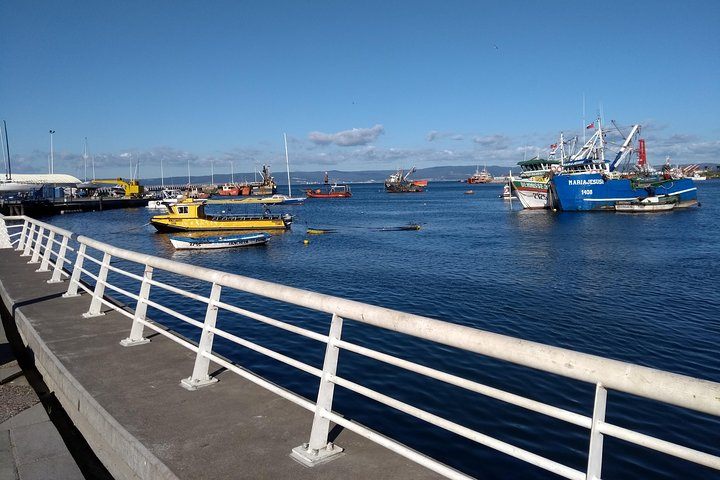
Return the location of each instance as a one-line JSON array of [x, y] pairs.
[[436, 174], [447, 173]]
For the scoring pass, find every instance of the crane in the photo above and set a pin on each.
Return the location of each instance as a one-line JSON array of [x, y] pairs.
[[131, 188]]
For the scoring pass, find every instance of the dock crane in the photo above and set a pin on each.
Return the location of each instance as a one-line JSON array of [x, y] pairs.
[[131, 189]]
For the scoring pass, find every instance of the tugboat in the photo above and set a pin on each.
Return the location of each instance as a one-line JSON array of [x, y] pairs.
[[480, 176], [399, 183], [189, 215]]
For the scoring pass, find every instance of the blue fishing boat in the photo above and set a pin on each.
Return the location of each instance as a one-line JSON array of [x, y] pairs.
[[227, 241], [587, 181]]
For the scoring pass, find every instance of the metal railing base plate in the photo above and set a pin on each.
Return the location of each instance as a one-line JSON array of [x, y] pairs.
[[311, 458]]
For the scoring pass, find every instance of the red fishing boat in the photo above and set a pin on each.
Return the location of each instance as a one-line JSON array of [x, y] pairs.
[[330, 191]]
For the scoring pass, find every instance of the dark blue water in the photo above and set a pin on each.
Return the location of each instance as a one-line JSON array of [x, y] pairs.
[[637, 288]]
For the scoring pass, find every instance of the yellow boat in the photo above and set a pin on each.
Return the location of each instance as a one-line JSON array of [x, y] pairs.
[[189, 215]]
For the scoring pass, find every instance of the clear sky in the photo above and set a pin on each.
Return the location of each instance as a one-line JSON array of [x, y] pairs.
[[363, 85]]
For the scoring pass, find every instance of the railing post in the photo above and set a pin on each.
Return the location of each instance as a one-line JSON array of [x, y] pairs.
[[46, 255], [318, 450], [99, 291], [38, 244], [60, 261], [28, 239], [72, 290], [23, 236], [136, 332], [200, 376], [4, 234], [594, 469]]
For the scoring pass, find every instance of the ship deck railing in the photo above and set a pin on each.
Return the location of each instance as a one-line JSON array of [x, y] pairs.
[[86, 263]]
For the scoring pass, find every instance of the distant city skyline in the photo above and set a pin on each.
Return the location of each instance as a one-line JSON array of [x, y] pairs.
[[212, 87]]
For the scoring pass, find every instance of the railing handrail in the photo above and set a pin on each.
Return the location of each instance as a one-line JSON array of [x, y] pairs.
[[606, 374], [676, 389]]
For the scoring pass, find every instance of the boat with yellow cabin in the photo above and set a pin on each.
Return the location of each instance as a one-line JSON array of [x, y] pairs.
[[189, 215]]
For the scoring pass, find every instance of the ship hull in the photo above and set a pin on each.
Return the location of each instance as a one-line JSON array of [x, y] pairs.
[[200, 224], [533, 195], [591, 191]]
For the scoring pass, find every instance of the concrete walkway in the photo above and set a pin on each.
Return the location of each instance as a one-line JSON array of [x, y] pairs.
[[129, 406]]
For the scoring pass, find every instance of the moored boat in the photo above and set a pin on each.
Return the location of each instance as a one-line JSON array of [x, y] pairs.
[[590, 182], [398, 183], [228, 241], [506, 192], [167, 196], [287, 199], [330, 191], [532, 187], [648, 204], [229, 190], [266, 186], [480, 176], [281, 199], [190, 215]]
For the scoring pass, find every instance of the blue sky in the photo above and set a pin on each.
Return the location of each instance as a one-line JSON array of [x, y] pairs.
[[355, 85]]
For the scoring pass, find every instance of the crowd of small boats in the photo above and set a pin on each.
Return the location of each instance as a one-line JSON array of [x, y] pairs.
[[586, 179]]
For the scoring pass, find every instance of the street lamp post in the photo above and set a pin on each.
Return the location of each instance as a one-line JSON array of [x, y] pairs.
[[51, 167]]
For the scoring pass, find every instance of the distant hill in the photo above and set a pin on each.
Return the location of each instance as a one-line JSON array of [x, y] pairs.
[[445, 173]]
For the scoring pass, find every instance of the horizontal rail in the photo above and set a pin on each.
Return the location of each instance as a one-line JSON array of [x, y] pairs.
[[672, 388]]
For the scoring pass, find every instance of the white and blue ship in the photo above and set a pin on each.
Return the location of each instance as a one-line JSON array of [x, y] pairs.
[[588, 181]]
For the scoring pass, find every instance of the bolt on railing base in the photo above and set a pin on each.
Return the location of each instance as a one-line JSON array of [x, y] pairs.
[[190, 384], [127, 342], [311, 457]]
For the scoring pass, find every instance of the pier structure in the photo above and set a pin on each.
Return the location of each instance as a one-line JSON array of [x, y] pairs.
[[157, 397]]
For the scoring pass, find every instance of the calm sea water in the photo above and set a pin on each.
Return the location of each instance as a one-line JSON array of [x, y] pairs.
[[637, 288]]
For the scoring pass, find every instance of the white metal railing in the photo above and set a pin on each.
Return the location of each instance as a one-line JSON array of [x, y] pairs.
[[50, 246]]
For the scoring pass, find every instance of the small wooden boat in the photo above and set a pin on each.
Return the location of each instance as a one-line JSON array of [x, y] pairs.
[[319, 231], [408, 227], [229, 241], [647, 204]]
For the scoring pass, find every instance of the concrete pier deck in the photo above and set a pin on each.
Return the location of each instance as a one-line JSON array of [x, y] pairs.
[[129, 406]]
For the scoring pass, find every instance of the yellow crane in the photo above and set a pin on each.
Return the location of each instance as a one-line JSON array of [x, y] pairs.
[[131, 188]]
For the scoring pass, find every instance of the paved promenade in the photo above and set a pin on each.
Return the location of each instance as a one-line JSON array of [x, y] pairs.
[[129, 406]]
